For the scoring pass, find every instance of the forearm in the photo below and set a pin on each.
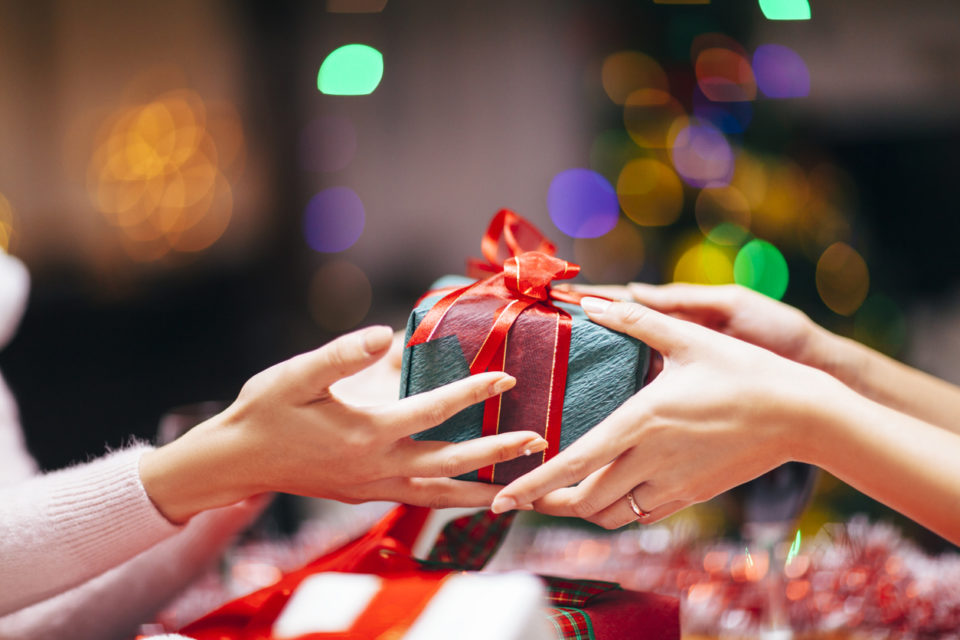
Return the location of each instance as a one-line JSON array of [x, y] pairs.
[[887, 381], [909, 465], [63, 528]]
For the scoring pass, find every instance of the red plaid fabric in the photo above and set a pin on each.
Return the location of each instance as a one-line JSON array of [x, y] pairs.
[[469, 542]]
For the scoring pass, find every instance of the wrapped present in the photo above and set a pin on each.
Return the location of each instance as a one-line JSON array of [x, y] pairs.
[[395, 595], [571, 373]]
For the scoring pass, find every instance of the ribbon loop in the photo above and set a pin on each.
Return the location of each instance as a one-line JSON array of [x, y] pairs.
[[529, 274]]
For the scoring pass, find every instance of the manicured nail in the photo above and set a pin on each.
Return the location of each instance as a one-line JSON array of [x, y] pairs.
[[534, 445], [503, 384], [503, 504], [594, 305], [376, 339]]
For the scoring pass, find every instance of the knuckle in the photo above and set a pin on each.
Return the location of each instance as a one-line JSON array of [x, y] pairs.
[[440, 500], [451, 465], [437, 411], [632, 314], [574, 470], [583, 508]]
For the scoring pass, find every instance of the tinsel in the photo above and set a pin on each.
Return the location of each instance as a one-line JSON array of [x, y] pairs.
[[860, 578]]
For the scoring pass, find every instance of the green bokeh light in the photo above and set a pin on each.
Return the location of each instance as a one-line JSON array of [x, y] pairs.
[[785, 9], [351, 70], [760, 266]]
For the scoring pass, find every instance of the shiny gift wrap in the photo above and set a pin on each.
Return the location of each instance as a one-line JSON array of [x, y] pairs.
[[571, 372]]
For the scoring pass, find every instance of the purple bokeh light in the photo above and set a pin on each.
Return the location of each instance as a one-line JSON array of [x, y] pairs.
[[780, 72], [701, 155], [333, 220], [582, 203]]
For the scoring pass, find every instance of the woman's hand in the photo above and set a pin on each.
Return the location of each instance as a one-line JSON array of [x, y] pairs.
[[288, 432], [721, 413]]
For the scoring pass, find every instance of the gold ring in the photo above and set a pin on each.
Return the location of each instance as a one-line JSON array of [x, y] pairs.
[[635, 507]]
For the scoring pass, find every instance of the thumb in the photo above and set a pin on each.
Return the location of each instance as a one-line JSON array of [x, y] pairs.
[[348, 354], [659, 331]]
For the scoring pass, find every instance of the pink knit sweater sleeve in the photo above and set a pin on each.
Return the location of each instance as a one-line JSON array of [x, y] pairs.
[[60, 529]]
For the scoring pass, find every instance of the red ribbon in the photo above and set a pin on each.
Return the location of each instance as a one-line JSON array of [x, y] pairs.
[[514, 307]]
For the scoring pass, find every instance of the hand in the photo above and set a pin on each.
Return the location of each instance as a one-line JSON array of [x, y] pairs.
[[741, 313], [721, 412], [377, 384], [288, 432]]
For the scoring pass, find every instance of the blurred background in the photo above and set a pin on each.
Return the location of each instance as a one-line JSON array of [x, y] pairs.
[[201, 189]]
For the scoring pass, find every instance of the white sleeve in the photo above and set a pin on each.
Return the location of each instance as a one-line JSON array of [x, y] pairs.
[[114, 604]]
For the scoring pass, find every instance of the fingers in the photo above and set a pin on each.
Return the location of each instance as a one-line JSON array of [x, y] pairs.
[[681, 297], [613, 291], [437, 493], [660, 331], [620, 514], [593, 450], [428, 409], [317, 370], [444, 459]]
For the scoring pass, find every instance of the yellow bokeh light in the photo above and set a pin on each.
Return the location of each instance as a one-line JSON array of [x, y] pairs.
[[787, 193], [648, 115], [750, 178], [843, 279], [616, 256], [340, 296], [703, 262], [624, 72], [650, 192], [6, 223], [717, 205], [157, 173]]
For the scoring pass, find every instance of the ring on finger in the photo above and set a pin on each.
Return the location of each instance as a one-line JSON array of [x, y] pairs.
[[640, 513]]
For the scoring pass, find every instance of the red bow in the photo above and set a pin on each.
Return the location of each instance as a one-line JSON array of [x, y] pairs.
[[513, 305]]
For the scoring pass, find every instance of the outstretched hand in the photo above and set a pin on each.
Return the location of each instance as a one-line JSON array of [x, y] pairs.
[[287, 431], [721, 413]]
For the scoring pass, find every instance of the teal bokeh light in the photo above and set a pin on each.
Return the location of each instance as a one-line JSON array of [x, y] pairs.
[[351, 70], [785, 9], [760, 266]]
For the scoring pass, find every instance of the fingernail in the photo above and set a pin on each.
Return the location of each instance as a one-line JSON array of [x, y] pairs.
[[503, 384], [534, 445], [594, 305], [503, 504], [376, 339], [525, 507]]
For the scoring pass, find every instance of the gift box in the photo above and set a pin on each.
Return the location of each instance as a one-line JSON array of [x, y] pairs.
[[392, 594], [571, 372]]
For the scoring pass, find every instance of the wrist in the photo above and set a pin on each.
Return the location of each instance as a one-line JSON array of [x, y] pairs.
[[194, 473]]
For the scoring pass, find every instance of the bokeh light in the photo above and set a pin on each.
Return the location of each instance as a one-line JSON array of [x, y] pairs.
[[356, 6], [703, 262], [624, 72], [334, 220], [780, 72], [785, 9], [750, 178], [616, 256], [700, 153], [728, 117], [340, 296], [6, 223], [582, 203], [650, 192], [327, 143], [648, 115], [719, 205], [724, 75], [157, 173], [784, 200], [612, 149], [825, 216], [760, 266], [351, 70], [879, 323], [843, 279]]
